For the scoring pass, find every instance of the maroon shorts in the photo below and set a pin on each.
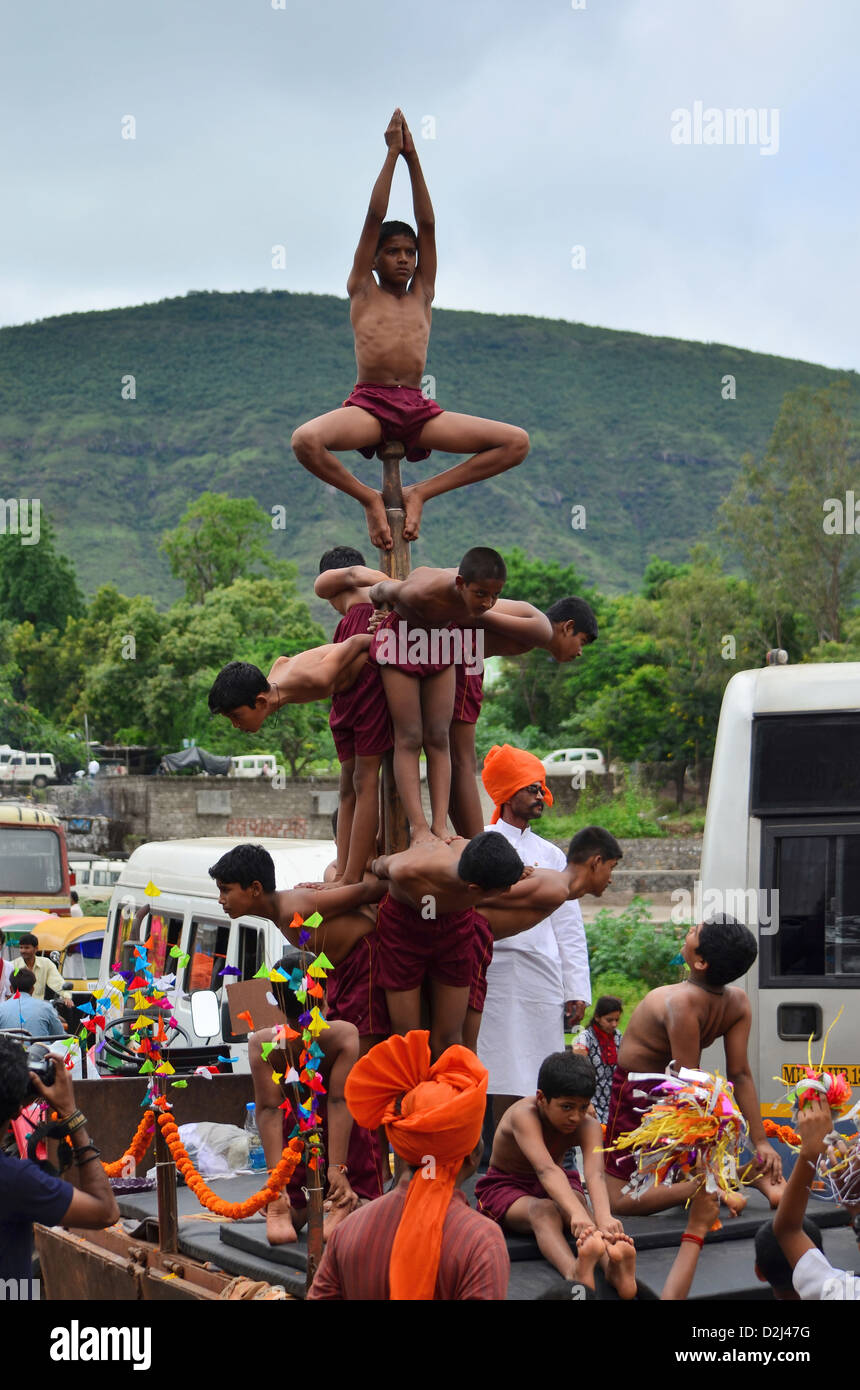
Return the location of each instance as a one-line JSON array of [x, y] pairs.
[[482, 957], [402, 411], [415, 651], [413, 948], [366, 1168], [360, 721], [353, 992], [625, 1114], [495, 1192], [468, 695]]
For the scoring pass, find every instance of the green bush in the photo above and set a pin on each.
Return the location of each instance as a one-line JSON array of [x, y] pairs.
[[629, 943], [629, 815]]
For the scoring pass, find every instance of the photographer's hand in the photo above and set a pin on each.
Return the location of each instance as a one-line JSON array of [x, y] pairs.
[[93, 1205]]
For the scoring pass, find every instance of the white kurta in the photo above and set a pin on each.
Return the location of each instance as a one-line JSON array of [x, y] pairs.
[[530, 978]]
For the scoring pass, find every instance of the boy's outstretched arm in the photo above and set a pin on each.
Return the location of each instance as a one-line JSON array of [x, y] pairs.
[[425, 274], [367, 242], [814, 1123], [519, 622], [738, 1072], [332, 582], [704, 1210], [386, 591]]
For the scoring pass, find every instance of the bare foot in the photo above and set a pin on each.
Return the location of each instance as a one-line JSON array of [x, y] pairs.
[[621, 1269], [589, 1248], [442, 834], [421, 835], [279, 1223], [377, 523], [735, 1201], [414, 505], [772, 1190]]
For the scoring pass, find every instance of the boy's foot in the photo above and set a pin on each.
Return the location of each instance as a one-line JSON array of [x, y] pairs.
[[414, 507], [279, 1223], [422, 836], [332, 1217], [377, 523], [735, 1201], [621, 1270], [589, 1248], [772, 1190]]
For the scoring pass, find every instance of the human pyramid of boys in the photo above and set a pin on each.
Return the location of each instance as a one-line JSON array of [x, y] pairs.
[[413, 931]]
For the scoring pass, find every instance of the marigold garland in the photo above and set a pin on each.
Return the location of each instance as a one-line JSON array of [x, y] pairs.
[[136, 1149], [235, 1211]]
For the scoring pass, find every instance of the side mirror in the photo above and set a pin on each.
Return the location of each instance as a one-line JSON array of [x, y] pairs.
[[205, 1013]]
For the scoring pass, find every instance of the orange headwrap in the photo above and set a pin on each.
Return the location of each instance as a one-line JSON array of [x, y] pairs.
[[429, 1112], [507, 770]]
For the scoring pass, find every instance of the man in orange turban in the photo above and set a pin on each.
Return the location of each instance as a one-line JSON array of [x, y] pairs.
[[422, 1240], [507, 770]]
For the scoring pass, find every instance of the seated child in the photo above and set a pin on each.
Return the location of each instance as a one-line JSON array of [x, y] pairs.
[[417, 647], [674, 1023], [426, 928], [360, 720], [352, 1174], [391, 325], [527, 1191], [246, 697]]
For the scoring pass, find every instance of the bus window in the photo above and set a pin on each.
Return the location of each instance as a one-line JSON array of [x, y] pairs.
[[817, 872], [164, 932], [208, 951], [250, 951], [30, 860]]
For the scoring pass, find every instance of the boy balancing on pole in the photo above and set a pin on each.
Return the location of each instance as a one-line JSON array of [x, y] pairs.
[[526, 1190], [246, 697], [391, 324], [673, 1024]]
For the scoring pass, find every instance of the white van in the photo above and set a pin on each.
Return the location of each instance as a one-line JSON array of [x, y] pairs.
[[575, 763], [186, 914], [781, 851], [37, 769], [254, 765], [94, 878]]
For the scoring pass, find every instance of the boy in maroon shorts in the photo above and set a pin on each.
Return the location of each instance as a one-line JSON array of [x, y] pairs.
[[527, 1191], [391, 324], [426, 928], [360, 720]]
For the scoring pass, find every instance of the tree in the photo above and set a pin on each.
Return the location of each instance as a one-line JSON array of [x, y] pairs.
[[220, 539], [776, 515], [37, 585]]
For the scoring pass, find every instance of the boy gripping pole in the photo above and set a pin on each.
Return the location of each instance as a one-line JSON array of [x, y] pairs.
[[391, 324]]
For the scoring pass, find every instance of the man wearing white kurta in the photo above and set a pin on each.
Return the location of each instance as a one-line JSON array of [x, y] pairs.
[[533, 975]]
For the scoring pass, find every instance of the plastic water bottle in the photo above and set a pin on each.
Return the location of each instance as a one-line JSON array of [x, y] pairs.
[[256, 1157]]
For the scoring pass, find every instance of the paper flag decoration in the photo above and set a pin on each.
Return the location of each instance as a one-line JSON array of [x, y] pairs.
[[262, 973], [151, 891], [165, 1069], [266, 1049], [276, 1076], [229, 970], [245, 1014], [179, 1085], [183, 960], [147, 1067], [323, 961], [175, 951], [291, 1076], [304, 937], [142, 1022], [314, 920], [296, 922], [278, 976]]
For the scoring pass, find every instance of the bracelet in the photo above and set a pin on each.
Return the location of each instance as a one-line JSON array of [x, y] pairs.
[[696, 1240], [75, 1121], [95, 1153], [338, 1168]]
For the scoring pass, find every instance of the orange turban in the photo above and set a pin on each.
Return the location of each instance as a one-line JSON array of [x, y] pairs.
[[429, 1112], [507, 770]]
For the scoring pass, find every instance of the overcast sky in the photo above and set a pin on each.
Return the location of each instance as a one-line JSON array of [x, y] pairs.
[[258, 126]]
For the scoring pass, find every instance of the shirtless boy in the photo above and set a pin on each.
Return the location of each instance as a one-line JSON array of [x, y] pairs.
[[360, 720], [351, 1172], [391, 324], [426, 928], [528, 1192], [245, 877], [674, 1024], [246, 697], [417, 647]]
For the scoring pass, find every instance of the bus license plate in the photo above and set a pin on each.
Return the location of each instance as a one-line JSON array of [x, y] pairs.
[[792, 1072]]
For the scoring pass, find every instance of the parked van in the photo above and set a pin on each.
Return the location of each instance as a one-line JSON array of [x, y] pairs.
[[254, 765], [781, 851], [186, 914], [94, 878], [37, 769], [574, 763]]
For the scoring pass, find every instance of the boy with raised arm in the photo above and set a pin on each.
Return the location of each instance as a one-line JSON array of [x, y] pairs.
[[426, 928], [526, 1190], [360, 720], [675, 1023], [391, 323], [246, 697]]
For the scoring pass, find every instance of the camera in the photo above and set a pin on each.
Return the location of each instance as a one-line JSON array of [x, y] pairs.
[[43, 1064]]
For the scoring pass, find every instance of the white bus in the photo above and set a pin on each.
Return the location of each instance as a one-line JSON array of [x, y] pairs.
[[781, 851], [186, 914]]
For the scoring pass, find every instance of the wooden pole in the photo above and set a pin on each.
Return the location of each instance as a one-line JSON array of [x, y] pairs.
[[165, 1177], [396, 563], [315, 1215]]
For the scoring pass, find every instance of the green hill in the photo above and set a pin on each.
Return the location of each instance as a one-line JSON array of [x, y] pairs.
[[632, 427]]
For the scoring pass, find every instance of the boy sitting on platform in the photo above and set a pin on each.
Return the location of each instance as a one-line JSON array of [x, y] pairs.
[[674, 1023], [360, 720], [527, 1191], [246, 697], [391, 324]]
